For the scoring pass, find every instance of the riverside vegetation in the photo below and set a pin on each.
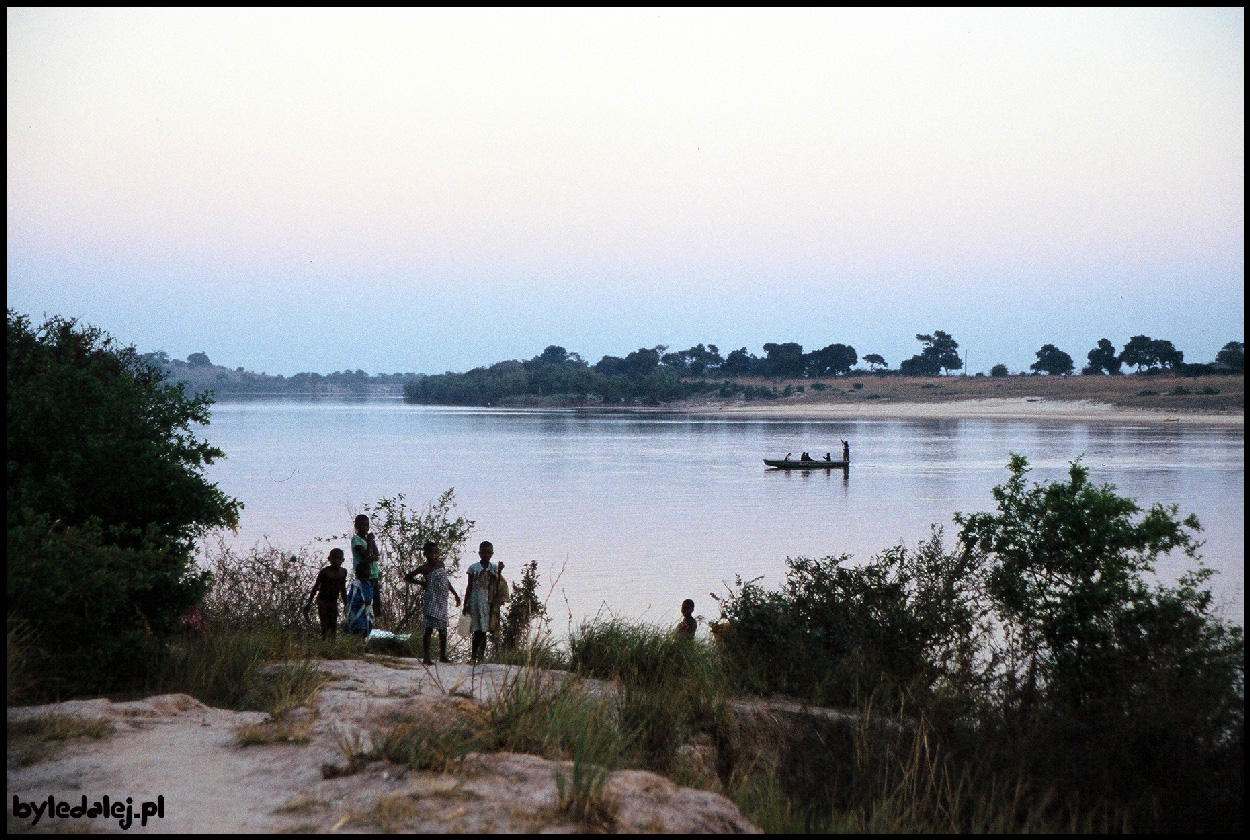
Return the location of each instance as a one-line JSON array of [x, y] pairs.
[[1029, 676], [1023, 679], [653, 376]]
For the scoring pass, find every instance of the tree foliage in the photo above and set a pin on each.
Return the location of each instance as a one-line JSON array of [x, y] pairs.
[[834, 360], [1146, 353], [106, 500], [875, 360], [695, 361], [1042, 647], [999, 370], [1142, 684], [1052, 360], [1102, 359], [1232, 357], [739, 363], [939, 353], [783, 360]]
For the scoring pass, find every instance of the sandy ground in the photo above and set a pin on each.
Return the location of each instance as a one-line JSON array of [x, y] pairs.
[[1000, 408], [188, 754]]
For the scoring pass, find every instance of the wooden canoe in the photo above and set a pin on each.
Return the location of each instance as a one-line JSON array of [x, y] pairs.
[[792, 464]]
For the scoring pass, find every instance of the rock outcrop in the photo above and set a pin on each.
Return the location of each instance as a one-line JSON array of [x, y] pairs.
[[318, 771]]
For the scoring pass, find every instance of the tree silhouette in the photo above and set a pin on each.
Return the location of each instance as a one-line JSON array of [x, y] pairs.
[[1052, 360], [1232, 357], [1102, 359], [938, 355], [834, 359]]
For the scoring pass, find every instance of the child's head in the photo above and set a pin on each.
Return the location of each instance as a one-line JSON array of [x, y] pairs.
[[430, 550], [362, 524], [687, 607], [336, 557]]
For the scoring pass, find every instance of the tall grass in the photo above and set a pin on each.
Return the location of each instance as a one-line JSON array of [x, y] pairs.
[[669, 687]]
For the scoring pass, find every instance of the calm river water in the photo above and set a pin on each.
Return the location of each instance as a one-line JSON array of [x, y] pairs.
[[634, 512]]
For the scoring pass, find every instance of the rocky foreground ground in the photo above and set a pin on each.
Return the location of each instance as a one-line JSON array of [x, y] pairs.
[[185, 759]]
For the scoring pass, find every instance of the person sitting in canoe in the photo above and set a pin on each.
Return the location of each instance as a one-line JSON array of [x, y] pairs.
[[828, 456], [788, 454], [805, 457]]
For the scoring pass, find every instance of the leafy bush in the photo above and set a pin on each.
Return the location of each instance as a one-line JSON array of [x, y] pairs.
[[1039, 655], [106, 500], [523, 610], [905, 623], [1137, 691]]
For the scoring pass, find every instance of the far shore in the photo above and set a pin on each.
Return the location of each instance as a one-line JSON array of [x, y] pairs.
[[1006, 408]]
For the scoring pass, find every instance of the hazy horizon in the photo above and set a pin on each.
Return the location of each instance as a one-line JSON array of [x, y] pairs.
[[440, 189]]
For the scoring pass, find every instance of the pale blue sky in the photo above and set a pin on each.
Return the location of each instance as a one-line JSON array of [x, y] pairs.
[[434, 190]]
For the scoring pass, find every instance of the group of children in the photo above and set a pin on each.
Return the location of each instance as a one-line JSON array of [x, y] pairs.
[[484, 595]]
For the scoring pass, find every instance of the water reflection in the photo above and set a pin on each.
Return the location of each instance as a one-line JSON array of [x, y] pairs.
[[643, 510]]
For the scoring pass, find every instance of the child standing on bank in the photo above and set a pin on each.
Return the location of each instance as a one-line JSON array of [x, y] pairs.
[[330, 588], [365, 549], [688, 624], [434, 601]]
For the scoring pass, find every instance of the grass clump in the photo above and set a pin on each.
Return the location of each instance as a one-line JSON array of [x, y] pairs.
[[669, 687], [58, 727], [20, 656], [422, 744], [283, 688], [34, 739], [283, 730]]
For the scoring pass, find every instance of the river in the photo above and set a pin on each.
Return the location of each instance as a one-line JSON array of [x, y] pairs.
[[629, 513]]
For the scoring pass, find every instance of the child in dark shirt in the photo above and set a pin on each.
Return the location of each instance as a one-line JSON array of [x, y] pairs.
[[688, 624], [330, 588]]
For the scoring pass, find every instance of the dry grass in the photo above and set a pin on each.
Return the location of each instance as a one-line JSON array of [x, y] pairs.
[[1164, 392], [278, 731], [31, 740]]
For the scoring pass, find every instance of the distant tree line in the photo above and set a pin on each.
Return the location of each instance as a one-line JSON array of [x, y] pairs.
[[653, 375], [647, 375], [1148, 355], [199, 374]]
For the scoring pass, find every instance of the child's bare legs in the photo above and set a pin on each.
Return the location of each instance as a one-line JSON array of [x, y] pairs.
[[425, 645], [479, 646], [442, 646]]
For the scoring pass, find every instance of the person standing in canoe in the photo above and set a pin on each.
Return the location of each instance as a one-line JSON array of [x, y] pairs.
[[846, 452]]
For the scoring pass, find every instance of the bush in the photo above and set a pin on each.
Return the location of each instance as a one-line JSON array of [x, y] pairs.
[[1109, 687], [1039, 658], [907, 623], [523, 610], [106, 500]]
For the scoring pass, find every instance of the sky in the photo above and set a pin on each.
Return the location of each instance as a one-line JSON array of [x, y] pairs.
[[433, 190]]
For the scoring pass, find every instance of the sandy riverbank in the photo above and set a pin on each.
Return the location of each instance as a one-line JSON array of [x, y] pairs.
[[1005, 408], [1194, 401]]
